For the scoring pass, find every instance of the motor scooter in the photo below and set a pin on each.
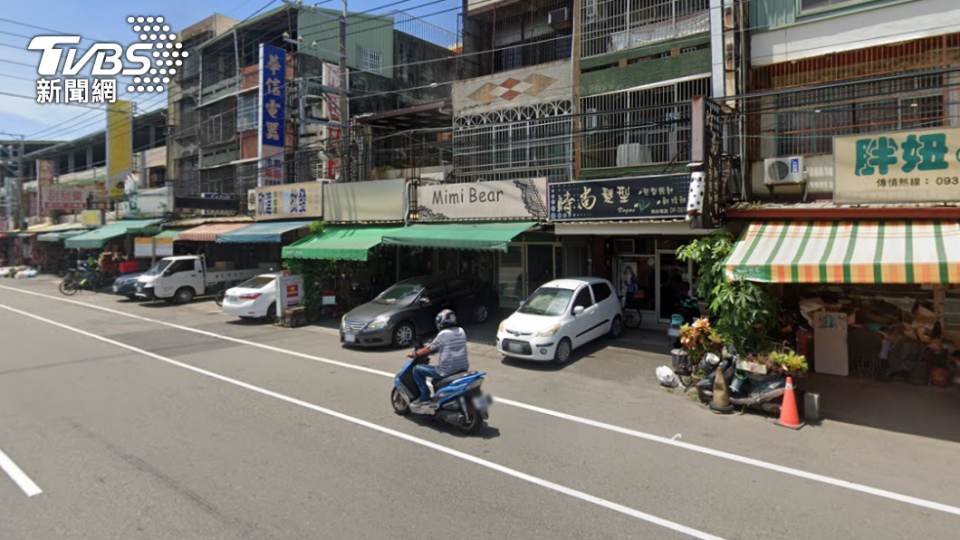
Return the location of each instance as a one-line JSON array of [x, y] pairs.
[[758, 391], [688, 310], [457, 399]]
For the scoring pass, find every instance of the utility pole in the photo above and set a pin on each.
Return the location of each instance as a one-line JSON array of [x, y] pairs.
[[345, 151]]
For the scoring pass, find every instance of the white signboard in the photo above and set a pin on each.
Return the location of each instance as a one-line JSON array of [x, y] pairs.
[[484, 201], [289, 293], [377, 200]]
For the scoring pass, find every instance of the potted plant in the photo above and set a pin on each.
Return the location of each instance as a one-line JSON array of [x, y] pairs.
[[699, 339], [787, 362]]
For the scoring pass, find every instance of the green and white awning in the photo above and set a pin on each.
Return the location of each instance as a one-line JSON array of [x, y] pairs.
[[847, 252]]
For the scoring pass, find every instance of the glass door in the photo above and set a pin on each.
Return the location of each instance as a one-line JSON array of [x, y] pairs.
[[673, 284], [510, 274]]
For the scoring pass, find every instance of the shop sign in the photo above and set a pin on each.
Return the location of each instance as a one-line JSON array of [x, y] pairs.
[[45, 173], [896, 167], [64, 199], [147, 247], [508, 199], [753, 273], [303, 200], [707, 148], [208, 204], [289, 293], [377, 200], [646, 197], [91, 218], [273, 82], [119, 147]]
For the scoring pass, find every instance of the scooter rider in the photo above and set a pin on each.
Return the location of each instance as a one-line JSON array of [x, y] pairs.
[[451, 342]]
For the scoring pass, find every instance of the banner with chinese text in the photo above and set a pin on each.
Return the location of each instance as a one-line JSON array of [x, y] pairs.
[[648, 197], [303, 200], [273, 78], [905, 166], [64, 199]]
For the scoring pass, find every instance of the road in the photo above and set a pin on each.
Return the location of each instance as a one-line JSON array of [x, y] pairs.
[[157, 421]]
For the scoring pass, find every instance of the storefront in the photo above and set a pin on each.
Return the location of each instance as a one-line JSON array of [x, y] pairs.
[[483, 229], [632, 228], [880, 296], [358, 215]]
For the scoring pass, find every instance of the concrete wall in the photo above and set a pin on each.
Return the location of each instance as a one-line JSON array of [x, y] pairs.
[[792, 36], [416, 67], [369, 31]]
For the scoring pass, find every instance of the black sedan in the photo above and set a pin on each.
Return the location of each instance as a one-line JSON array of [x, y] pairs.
[[407, 309], [126, 285]]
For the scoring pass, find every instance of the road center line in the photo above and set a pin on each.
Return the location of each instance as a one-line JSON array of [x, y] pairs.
[[814, 477], [586, 497], [18, 476]]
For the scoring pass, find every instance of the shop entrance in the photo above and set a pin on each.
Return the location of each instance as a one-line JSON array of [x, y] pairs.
[[524, 268], [673, 284]]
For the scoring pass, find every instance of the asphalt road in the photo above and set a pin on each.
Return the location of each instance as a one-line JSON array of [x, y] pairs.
[[156, 421]]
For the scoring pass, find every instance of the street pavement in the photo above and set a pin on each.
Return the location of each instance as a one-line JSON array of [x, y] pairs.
[[160, 421]]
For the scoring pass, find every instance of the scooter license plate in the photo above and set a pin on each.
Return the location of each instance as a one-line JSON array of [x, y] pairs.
[[481, 402], [350, 338]]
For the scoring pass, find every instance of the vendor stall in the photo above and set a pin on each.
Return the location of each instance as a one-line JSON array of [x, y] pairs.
[[874, 295]]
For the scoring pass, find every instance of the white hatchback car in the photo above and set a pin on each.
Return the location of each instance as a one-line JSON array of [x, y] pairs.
[[255, 298], [559, 317]]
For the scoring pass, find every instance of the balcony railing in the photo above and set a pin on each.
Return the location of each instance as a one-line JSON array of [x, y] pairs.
[[617, 25]]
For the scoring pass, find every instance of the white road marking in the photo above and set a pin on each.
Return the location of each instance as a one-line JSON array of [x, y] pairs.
[[18, 476], [814, 477], [675, 437], [586, 497]]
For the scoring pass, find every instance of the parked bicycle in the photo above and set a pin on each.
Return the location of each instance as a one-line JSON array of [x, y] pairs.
[[631, 312]]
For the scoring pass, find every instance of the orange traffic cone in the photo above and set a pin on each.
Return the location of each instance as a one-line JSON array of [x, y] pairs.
[[789, 417]]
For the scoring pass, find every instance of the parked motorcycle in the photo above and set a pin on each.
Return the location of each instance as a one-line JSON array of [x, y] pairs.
[[84, 278], [746, 390], [457, 399]]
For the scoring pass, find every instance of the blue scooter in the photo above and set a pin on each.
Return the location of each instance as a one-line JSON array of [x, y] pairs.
[[457, 399]]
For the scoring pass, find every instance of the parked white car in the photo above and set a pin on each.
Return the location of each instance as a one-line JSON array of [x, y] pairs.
[[255, 298], [559, 317]]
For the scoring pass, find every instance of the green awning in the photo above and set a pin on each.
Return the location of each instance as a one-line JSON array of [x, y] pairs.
[[481, 236], [95, 238], [346, 243], [173, 234], [266, 232]]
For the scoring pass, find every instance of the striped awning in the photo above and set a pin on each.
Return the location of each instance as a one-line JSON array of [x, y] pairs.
[[209, 232], [847, 252]]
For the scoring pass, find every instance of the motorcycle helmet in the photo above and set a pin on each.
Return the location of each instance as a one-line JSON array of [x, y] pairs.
[[446, 319]]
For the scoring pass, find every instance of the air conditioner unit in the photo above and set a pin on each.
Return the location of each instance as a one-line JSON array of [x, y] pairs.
[[623, 246], [590, 10], [783, 171], [559, 18], [590, 123], [251, 200]]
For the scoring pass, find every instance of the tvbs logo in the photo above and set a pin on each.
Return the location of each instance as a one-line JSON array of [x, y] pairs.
[[151, 64]]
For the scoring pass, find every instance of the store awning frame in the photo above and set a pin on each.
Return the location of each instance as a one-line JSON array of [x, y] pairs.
[[95, 239], [847, 252], [338, 243], [265, 232], [489, 236]]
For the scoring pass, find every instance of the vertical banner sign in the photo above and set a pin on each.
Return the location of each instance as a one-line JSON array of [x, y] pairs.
[[45, 168], [706, 147], [273, 93], [332, 134], [289, 293], [119, 147]]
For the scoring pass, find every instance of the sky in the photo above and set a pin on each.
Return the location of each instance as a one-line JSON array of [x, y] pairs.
[[105, 21]]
